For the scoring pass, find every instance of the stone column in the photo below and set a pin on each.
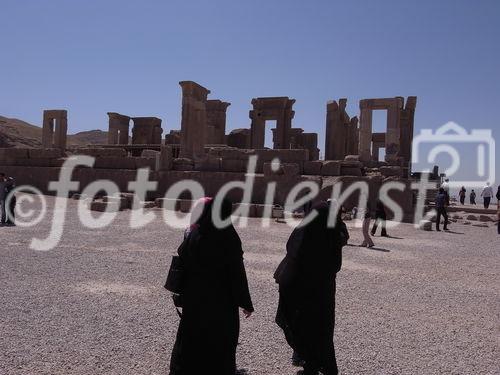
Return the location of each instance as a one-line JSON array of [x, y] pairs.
[[280, 134], [47, 131], [365, 131], [407, 125], [61, 131], [392, 137], [216, 121], [194, 120], [284, 126], [353, 137], [335, 132], [257, 131]]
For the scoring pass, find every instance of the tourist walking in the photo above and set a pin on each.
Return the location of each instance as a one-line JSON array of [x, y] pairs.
[[462, 195], [367, 240], [498, 195], [2, 198], [306, 278], [473, 197], [380, 218], [214, 286], [487, 194], [441, 209]]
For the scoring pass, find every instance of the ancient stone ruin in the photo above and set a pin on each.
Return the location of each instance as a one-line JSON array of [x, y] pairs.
[[194, 120], [55, 128], [201, 149], [276, 108], [216, 121], [118, 129]]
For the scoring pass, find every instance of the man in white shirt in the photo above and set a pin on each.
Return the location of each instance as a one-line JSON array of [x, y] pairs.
[[446, 187], [487, 194]]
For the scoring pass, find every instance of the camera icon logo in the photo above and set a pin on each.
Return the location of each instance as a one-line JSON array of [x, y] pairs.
[[444, 141]]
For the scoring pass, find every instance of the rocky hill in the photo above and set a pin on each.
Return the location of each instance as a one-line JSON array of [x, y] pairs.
[[18, 133]]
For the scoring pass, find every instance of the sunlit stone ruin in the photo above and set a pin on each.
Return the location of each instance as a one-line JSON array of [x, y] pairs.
[[201, 149]]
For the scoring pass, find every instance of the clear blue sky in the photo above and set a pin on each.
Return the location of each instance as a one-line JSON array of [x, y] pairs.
[[91, 57]]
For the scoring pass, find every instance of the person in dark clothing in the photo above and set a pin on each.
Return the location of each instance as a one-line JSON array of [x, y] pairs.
[[214, 286], [380, 218], [441, 209], [473, 197], [10, 201], [498, 209], [306, 278], [462, 194]]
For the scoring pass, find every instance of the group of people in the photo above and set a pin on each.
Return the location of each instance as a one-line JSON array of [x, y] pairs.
[[7, 200], [443, 200], [214, 286], [487, 194]]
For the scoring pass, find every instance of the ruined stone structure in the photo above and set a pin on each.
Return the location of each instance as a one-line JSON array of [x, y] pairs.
[[399, 135], [118, 129], [302, 141], [309, 142], [203, 152], [406, 119], [216, 121], [341, 138], [173, 137], [146, 130], [272, 108], [239, 138], [55, 128], [194, 120]]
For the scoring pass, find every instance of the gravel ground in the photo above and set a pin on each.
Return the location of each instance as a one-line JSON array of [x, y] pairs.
[[420, 303]]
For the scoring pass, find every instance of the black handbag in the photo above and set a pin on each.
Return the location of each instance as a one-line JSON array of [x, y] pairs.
[[175, 276], [174, 283]]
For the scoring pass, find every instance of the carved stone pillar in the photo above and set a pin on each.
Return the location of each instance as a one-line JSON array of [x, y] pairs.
[[392, 138], [407, 129], [365, 131], [194, 120], [216, 121]]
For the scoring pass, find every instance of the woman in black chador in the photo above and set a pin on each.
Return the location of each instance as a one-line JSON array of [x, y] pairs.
[[306, 277], [214, 286]]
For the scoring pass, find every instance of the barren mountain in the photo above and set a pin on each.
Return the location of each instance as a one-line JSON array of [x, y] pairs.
[[18, 133]]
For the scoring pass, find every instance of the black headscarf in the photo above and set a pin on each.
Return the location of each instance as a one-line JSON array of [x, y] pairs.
[[204, 223]]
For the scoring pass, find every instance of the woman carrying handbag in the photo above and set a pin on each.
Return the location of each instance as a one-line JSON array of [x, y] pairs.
[[212, 286]]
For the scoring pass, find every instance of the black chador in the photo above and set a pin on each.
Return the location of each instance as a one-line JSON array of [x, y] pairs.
[[306, 277], [214, 286]]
